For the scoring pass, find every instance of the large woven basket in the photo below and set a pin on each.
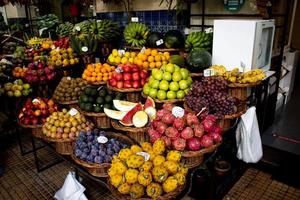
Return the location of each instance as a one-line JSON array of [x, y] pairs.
[[161, 102], [132, 94], [69, 104], [62, 146], [137, 134], [239, 90], [36, 130], [100, 170], [101, 120], [167, 196]]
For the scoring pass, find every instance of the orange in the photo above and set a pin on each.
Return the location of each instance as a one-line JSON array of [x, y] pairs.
[[93, 79], [90, 67], [113, 68], [157, 58], [94, 74], [167, 55], [144, 57], [140, 55], [154, 52], [103, 70], [150, 59], [97, 70], [105, 74], [163, 58], [148, 52], [145, 65], [139, 62], [89, 73], [105, 65], [158, 64], [84, 76], [152, 65], [88, 78], [105, 78], [99, 78], [132, 54]]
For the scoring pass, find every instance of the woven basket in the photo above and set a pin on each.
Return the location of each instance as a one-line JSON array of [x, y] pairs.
[[225, 123], [100, 170], [101, 120], [239, 90], [36, 130], [69, 104], [88, 59], [173, 101], [132, 94], [62, 146], [97, 83], [167, 196], [137, 134], [192, 159]]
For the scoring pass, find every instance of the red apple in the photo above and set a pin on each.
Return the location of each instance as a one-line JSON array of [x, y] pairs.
[[120, 84], [143, 81], [135, 68], [126, 68], [127, 76], [127, 84], [136, 76], [136, 84], [143, 74], [113, 82], [119, 77]]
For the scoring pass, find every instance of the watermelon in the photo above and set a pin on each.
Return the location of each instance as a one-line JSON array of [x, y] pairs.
[[174, 39], [127, 119], [177, 60], [152, 39], [198, 60], [149, 103]]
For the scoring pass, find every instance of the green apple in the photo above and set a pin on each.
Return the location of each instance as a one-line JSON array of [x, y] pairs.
[[8, 86], [164, 85], [25, 92], [184, 73], [10, 93], [174, 86], [187, 90], [154, 71], [176, 76], [180, 94], [171, 95], [146, 89], [26, 86], [167, 76], [158, 75], [153, 93], [183, 84], [170, 68], [17, 93], [190, 81], [19, 82], [177, 68], [163, 67], [155, 84], [161, 95]]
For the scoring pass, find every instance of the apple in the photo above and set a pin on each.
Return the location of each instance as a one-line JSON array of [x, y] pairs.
[[113, 82], [127, 76], [135, 68], [120, 84], [136, 76], [143, 82], [136, 84], [143, 74], [119, 77], [126, 68], [127, 84]]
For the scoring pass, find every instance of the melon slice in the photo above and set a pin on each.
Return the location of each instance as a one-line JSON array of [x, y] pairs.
[[123, 105], [151, 112], [149, 103], [127, 119], [140, 119], [114, 114]]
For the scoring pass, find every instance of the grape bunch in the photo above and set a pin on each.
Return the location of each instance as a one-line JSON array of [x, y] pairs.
[[87, 147], [211, 93]]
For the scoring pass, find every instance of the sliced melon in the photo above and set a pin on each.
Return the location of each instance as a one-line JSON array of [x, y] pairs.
[[123, 105], [140, 119], [149, 103], [127, 119], [114, 114], [151, 112]]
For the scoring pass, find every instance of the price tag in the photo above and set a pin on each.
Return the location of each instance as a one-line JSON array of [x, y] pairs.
[[207, 72], [243, 66], [16, 82], [143, 50], [144, 154], [31, 49], [73, 112], [84, 49], [102, 139], [57, 48], [208, 30], [77, 28], [99, 20], [119, 70], [121, 52], [41, 30], [178, 111], [36, 101], [134, 19], [99, 88], [159, 42], [69, 78]]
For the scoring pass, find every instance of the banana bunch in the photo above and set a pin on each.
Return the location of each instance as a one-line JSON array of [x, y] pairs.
[[136, 34], [81, 30], [64, 30], [219, 70], [252, 76], [199, 40], [104, 30]]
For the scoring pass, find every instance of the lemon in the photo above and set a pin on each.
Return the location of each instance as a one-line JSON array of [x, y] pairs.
[[117, 59], [127, 54], [115, 52], [124, 60]]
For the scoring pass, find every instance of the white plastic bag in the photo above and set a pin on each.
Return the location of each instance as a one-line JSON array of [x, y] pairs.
[[248, 138], [71, 190]]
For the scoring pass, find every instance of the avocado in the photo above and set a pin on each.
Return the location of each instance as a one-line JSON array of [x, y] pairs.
[[88, 107], [94, 92], [91, 99], [97, 109], [107, 106], [108, 99], [84, 98], [88, 91], [102, 93], [82, 105], [100, 100]]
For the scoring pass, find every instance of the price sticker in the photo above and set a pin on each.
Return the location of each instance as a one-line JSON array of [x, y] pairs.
[[134, 19], [69, 78], [121, 52], [208, 30], [77, 28], [73, 112], [99, 20], [143, 50], [144, 154], [207, 72], [16, 82], [178, 111], [53, 47], [57, 48], [35, 101], [31, 49], [102, 139], [119, 70], [159, 42], [84, 49]]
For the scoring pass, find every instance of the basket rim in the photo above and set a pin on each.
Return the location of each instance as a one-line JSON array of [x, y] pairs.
[[196, 74], [124, 89], [165, 101], [90, 114], [86, 164], [243, 85], [66, 102], [30, 126], [116, 125], [97, 83], [201, 151], [44, 137]]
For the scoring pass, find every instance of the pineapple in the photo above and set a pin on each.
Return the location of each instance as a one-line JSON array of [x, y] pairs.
[[174, 156], [152, 155], [124, 188], [136, 191], [158, 160], [159, 173], [125, 153], [135, 148], [115, 159], [146, 146], [131, 176], [159, 147], [135, 161], [147, 166], [170, 184], [144, 178], [171, 166], [154, 190]]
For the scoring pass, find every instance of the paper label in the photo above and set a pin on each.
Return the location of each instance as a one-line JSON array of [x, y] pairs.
[[84, 49], [98, 20], [69, 78], [178, 111], [144, 154], [119, 70], [121, 52], [16, 82], [77, 28], [134, 19], [208, 72], [53, 47], [159, 42], [73, 112], [102, 139], [208, 30], [31, 49], [143, 50], [36, 101], [41, 30]]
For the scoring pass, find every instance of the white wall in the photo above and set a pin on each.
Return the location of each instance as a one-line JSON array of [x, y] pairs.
[[15, 11]]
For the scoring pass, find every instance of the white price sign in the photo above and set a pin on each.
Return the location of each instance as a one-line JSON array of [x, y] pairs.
[[102, 139], [121, 52], [69, 78], [143, 50], [144, 154], [159, 42], [208, 72], [36, 101], [134, 19], [84, 49], [178, 111], [73, 112], [119, 70]]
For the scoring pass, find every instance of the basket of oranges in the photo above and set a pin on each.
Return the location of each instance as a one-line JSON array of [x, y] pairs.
[[98, 74]]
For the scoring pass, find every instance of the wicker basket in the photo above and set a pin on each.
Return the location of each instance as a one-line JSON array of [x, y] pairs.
[[101, 120], [133, 95], [192, 159], [36, 130], [97, 83], [100, 170], [225, 123], [88, 59], [69, 104], [137, 134], [239, 90], [62, 146], [173, 101], [167, 196]]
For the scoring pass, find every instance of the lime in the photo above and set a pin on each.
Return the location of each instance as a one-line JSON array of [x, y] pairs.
[[174, 86], [183, 84], [171, 95], [161, 95], [184, 73], [146, 89], [167, 76], [180, 94], [153, 93], [176, 76], [164, 85], [155, 84]]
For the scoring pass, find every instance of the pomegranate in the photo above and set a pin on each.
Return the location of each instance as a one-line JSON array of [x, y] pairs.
[[206, 141], [208, 125], [154, 135], [198, 130], [172, 132], [167, 141], [187, 133], [179, 144], [194, 144], [155, 123], [161, 127], [179, 123], [168, 119], [216, 137], [191, 119], [161, 113]]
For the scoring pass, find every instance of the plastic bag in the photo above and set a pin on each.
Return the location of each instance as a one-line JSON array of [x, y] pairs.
[[248, 138]]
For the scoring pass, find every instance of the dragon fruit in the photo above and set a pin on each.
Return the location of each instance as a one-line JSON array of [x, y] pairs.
[[206, 141], [179, 123], [154, 135], [172, 132], [198, 130], [168, 118], [192, 119]]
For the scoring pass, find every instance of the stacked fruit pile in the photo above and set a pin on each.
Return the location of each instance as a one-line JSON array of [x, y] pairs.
[[17, 88], [148, 59], [95, 99], [128, 76], [69, 89], [169, 82], [132, 114], [98, 72], [62, 57], [38, 72], [147, 170], [35, 111], [211, 93], [66, 124], [19, 72], [95, 147], [184, 131]]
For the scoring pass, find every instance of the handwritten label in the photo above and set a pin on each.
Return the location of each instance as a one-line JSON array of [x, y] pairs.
[[16, 82], [84, 49], [119, 70], [178, 111], [77, 28], [159, 42], [208, 30], [36, 101], [121, 52], [134, 19], [143, 50], [208, 72], [73, 112], [144, 154], [102, 139], [99, 20]]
